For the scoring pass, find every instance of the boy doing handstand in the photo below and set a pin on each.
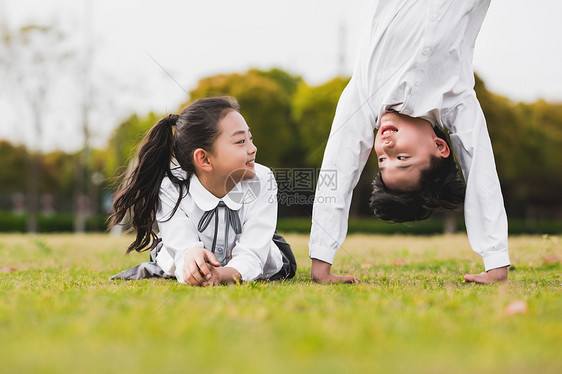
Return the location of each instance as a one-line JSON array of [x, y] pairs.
[[413, 78]]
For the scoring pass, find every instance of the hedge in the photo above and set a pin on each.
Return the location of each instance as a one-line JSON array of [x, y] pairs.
[[63, 222]]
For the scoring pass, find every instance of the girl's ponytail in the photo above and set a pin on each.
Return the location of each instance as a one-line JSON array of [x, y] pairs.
[[138, 195]]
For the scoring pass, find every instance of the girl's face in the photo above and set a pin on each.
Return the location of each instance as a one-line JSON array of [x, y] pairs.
[[233, 152]]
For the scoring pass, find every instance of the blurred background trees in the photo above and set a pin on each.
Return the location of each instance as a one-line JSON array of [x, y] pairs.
[[290, 121], [265, 103], [527, 141], [31, 58]]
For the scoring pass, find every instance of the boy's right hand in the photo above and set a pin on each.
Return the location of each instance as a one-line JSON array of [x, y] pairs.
[[197, 266], [321, 273]]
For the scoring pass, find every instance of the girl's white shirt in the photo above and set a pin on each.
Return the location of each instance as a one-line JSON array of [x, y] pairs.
[[416, 59], [254, 254]]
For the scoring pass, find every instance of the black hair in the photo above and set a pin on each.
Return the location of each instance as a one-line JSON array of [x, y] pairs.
[[440, 188], [195, 127]]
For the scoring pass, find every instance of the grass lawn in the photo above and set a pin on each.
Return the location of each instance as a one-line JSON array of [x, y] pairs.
[[412, 313]]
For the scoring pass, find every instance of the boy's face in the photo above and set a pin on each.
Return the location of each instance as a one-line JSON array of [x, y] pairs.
[[404, 146]]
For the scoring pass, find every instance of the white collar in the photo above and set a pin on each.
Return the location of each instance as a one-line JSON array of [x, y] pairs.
[[206, 201]]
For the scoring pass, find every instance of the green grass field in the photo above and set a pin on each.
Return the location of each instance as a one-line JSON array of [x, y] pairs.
[[59, 313]]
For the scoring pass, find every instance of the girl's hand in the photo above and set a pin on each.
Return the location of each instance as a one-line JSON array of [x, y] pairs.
[[197, 266], [321, 273], [223, 275]]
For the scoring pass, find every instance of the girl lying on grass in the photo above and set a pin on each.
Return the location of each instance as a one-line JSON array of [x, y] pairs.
[[215, 208]]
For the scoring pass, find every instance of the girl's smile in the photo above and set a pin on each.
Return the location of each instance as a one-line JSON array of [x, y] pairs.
[[233, 155]]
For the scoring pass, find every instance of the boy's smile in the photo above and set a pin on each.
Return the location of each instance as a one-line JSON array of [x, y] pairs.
[[387, 130], [404, 146]]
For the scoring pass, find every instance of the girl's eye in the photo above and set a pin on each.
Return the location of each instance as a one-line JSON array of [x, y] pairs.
[[401, 158], [381, 159], [241, 141]]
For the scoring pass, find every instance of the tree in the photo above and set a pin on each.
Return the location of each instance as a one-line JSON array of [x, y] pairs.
[[314, 109], [13, 174], [541, 157], [287, 81], [124, 142], [266, 106], [32, 58], [527, 139]]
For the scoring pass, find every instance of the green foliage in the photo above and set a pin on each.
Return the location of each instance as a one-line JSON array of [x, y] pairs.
[[314, 109], [63, 222], [291, 121], [527, 142], [58, 171], [59, 312], [13, 174], [542, 151], [266, 106], [288, 82], [56, 175], [50, 223], [125, 140], [431, 226]]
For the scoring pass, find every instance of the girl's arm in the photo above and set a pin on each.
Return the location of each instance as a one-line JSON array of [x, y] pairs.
[[252, 250], [198, 265], [183, 254], [223, 275]]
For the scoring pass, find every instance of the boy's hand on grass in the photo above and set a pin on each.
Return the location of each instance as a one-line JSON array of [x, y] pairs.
[[497, 275], [197, 266], [321, 273]]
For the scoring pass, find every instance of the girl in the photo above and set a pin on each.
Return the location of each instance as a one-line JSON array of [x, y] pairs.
[[215, 207]]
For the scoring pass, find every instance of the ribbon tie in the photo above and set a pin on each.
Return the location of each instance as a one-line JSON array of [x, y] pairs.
[[231, 219]]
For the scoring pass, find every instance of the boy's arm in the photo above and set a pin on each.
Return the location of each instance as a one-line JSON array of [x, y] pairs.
[[485, 217], [348, 148]]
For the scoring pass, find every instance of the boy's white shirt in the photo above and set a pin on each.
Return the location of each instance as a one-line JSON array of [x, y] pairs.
[[417, 60], [254, 254]]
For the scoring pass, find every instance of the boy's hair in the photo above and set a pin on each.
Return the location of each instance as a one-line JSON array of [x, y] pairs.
[[174, 136], [441, 187]]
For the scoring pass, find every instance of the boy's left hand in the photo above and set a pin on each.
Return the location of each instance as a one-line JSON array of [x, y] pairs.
[[498, 275]]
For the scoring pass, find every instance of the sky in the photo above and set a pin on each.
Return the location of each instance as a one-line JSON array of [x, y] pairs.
[[147, 54]]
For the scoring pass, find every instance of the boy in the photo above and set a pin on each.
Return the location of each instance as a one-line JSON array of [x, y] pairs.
[[414, 76]]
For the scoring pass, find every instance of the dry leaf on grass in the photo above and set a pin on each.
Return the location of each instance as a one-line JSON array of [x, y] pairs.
[[399, 262], [551, 259], [515, 307]]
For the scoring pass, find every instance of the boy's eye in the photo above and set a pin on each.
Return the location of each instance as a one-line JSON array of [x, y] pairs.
[[402, 158], [381, 159]]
